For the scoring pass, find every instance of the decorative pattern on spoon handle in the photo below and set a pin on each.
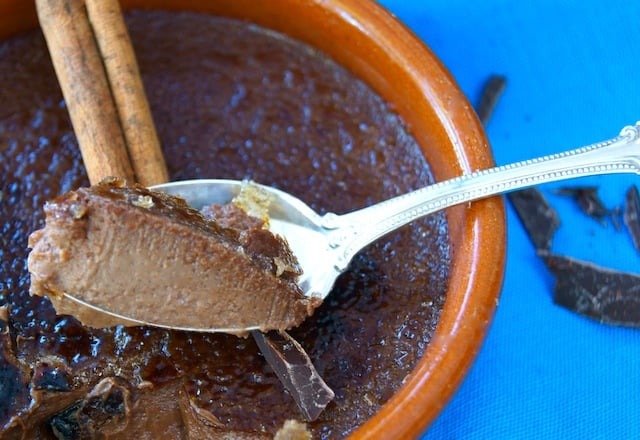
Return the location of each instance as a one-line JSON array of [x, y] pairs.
[[351, 232]]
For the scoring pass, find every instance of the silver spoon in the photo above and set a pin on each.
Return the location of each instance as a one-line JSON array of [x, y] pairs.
[[325, 244]]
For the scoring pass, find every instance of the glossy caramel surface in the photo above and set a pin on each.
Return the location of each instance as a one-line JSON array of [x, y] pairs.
[[231, 101]]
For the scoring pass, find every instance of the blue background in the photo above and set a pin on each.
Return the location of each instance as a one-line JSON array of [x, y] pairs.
[[573, 70]]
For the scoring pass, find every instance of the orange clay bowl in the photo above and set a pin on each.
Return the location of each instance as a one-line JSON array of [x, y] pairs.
[[377, 48]]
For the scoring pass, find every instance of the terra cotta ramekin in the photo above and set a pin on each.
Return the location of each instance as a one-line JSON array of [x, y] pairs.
[[365, 38]]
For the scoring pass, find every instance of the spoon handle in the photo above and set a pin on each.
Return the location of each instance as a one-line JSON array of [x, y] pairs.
[[351, 232]]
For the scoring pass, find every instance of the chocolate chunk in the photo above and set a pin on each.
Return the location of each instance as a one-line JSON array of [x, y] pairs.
[[538, 218], [588, 201], [631, 214], [491, 92], [596, 292], [296, 371]]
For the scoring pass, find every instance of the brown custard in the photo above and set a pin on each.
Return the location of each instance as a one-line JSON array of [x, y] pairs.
[[230, 100], [150, 256]]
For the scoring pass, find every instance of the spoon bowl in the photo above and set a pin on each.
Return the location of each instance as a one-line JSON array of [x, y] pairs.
[[289, 217]]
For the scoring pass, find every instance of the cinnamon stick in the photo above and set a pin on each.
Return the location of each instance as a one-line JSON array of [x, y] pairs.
[[128, 92], [84, 85], [99, 77]]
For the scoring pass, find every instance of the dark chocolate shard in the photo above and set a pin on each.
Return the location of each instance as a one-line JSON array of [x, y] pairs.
[[632, 214], [489, 97], [588, 200], [538, 217], [603, 294], [296, 372]]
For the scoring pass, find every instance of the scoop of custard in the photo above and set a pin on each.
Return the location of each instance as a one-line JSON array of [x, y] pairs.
[[150, 258]]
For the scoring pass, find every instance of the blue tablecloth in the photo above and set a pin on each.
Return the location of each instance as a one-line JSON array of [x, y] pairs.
[[573, 70]]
